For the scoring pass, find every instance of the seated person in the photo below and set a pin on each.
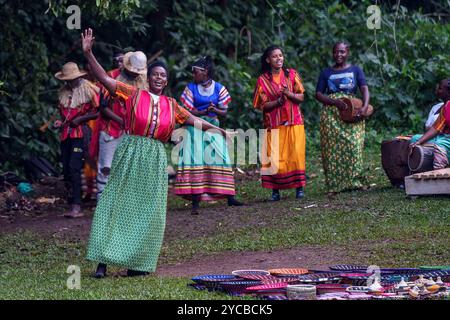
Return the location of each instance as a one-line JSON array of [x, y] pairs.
[[439, 133]]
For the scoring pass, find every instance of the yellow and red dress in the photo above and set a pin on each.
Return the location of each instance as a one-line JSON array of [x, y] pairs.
[[283, 161]]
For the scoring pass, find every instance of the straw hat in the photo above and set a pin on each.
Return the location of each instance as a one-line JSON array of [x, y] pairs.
[[70, 71], [135, 62]]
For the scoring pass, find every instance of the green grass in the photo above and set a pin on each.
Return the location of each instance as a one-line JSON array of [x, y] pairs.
[[380, 226]]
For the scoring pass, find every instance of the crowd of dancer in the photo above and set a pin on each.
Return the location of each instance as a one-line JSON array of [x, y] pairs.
[[134, 119]]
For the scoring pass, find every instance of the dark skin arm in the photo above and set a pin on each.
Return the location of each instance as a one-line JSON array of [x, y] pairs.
[[205, 124], [272, 105], [366, 98], [296, 98], [82, 119], [108, 113], [219, 112], [430, 134], [97, 71], [330, 102], [198, 113]]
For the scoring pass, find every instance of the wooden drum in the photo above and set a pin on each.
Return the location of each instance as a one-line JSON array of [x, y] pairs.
[[353, 106], [421, 159], [394, 159]]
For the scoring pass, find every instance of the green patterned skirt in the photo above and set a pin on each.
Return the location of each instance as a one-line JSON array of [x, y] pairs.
[[342, 149], [129, 221]]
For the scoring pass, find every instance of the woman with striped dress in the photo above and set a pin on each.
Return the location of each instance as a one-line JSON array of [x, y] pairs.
[[204, 168]]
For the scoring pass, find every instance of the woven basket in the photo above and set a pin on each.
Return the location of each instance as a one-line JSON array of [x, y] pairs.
[[237, 287], [243, 273], [301, 292], [331, 288], [288, 272]]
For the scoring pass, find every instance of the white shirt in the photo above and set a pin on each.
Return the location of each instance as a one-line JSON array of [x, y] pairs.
[[432, 117], [154, 97]]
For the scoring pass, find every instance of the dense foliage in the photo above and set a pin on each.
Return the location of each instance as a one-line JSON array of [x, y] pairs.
[[403, 60]]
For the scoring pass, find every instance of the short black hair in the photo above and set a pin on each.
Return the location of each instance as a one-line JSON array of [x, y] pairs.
[[157, 64], [206, 62], [344, 42]]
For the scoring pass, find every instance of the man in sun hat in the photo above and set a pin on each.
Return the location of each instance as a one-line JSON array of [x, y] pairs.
[[78, 102], [134, 73]]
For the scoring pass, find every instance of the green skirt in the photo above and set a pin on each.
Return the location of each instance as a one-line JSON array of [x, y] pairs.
[[129, 221], [342, 149]]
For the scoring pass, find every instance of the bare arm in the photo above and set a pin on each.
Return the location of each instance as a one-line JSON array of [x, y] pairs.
[[205, 124], [108, 113], [82, 119], [219, 112], [296, 98], [271, 105], [197, 113], [87, 41], [430, 134], [330, 102]]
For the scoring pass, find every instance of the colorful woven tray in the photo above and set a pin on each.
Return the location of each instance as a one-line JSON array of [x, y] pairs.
[[242, 273], [214, 278], [287, 272], [348, 267], [331, 288], [434, 267], [259, 277], [238, 287], [268, 287], [319, 278]]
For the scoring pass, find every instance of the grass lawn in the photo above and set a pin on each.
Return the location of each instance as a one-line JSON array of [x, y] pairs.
[[380, 226]]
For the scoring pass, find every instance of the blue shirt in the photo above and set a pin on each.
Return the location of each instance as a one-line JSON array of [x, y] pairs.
[[345, 81]]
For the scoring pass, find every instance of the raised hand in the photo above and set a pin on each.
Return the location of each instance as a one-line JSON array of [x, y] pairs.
[[87, 40]]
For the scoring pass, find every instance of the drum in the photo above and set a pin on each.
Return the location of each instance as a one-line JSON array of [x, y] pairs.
[[353, 106], [394, 159], [421, 159]]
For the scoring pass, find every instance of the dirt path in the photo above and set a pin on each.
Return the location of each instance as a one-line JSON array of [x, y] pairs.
[[48, 223], [311, 257]]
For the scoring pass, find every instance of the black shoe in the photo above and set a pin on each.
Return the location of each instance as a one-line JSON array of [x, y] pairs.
[[299, 194], [195, 205], [233, 202], [134, 273], [101, 271], [275, 195]]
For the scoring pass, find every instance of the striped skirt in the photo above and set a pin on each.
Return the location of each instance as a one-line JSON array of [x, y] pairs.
[[204, 166], [284, 164], [129, 221]]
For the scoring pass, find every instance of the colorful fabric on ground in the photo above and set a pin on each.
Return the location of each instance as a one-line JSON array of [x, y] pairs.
[[441, 151], [146, 118], [342, 149], [268, 88], [129, 221], [204, 166], [442, 123], [195, 96], [287, 168], [74, 103]]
